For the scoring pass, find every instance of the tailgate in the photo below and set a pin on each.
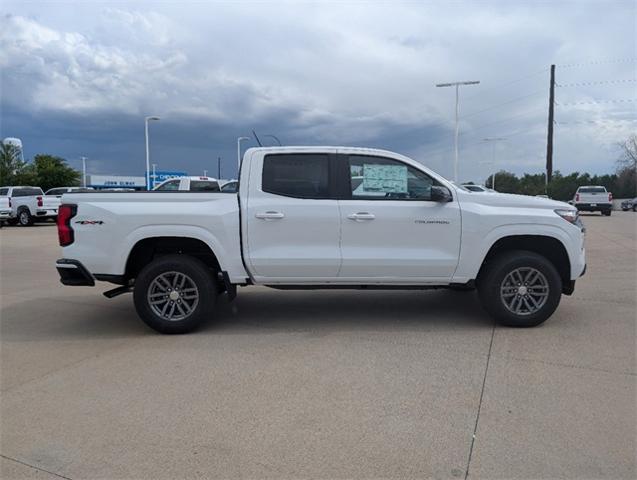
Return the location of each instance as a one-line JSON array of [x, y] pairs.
[[51, 202]]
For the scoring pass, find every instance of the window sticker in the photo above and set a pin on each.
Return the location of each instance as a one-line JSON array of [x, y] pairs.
[[384, 178]]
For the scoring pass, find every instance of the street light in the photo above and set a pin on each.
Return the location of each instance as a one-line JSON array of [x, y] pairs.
[[146, 120], [273, 136], [457, 85], [239, 140], [83, 171], [494, 141]]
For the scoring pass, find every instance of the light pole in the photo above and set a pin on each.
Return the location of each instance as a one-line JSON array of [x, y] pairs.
[[205, 173], [154, 174], [455, 143], [275, 137], [83, 171], [239, 140], [146, 120], [494, 141]]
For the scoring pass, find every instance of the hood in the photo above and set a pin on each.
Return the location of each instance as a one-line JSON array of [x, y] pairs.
[[511, 200]]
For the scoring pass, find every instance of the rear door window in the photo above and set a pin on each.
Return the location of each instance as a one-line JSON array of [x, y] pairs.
[[297, 175]]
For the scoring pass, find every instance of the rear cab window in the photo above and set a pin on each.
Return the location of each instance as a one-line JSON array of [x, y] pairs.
[[27, 192], [204, 186], [4, 192], [304, 175], [591, 190], [170, 186]]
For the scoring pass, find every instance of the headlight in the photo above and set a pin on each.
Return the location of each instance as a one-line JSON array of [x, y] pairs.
[[568, 214]]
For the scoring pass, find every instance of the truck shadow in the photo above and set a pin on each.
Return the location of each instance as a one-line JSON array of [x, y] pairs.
[[258, 310]]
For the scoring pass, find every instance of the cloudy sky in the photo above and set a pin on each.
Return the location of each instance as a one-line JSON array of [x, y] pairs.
[[78, 78]]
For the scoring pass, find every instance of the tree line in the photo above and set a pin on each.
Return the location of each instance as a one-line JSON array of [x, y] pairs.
[[45, 171], [622, 183]]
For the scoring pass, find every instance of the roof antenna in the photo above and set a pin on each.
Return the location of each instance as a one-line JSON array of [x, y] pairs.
[[256, 138]]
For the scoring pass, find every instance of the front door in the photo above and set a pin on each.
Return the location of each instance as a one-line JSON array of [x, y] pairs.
[[293, 223], [391, 230]]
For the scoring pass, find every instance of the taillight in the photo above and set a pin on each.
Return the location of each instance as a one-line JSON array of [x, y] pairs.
[[577, 197], [65, 232], [40, 202], [610, 197], [10, 203]]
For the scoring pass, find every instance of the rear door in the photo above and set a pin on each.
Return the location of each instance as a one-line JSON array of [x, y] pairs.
[[391, 230], [292, 218]]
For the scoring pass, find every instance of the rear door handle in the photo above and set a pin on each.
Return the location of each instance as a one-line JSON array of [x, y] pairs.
[[269, 215], [361, 216]]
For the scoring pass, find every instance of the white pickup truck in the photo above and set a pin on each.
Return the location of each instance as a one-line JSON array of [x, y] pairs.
[[594, 198], [29, 204], [322, 217]]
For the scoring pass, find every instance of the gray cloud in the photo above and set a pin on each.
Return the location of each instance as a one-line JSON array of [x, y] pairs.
[[78, 80]]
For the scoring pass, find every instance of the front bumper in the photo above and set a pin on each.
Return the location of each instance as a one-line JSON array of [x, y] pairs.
[[73, 273]]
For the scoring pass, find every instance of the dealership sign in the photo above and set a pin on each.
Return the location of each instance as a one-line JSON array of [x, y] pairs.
[[162, 175]]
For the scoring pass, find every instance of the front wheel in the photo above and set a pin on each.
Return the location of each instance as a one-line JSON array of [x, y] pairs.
[[175, 293], [520, 288]]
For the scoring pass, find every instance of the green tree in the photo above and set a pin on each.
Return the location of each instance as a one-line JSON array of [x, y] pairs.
[[10, 164], [49, 171], [505, 182], [627, 169]]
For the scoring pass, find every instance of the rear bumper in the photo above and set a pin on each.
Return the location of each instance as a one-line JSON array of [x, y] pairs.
[[73, 273], [46, 213], [4, 214], [593, 207]]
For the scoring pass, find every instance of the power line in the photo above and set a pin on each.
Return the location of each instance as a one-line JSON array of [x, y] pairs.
[[618, 100], [597, 122], [510, 82], [598, 62], [513, 100], [601, 82]]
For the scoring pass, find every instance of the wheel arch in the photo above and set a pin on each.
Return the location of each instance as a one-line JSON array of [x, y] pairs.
[[549, 247], [147, 249]]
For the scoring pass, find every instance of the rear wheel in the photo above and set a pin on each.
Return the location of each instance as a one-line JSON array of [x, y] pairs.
[[606, 212], [175, 293], [24, 218], [520, 288]]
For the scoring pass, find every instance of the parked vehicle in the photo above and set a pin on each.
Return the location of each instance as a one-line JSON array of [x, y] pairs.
[[189, 184], [593, 199], [476, 188], [59, 191], [231, 186], [302, 222], [29, 204], [5, 209], [630, 204]]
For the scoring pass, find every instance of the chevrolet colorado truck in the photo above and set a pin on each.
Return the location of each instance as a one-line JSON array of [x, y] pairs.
[[322, 217]]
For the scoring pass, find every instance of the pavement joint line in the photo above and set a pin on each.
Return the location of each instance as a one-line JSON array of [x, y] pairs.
[[34, 467], [566, 365], [484, 382], [611, 239]]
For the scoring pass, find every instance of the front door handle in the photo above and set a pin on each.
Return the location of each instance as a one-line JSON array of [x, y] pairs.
[[269, 215], [361, 216]]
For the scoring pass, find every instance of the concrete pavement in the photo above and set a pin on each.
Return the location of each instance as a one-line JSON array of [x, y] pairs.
[[318, 384]]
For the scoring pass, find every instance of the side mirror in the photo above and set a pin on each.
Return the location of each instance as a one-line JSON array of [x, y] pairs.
[[440, 194]]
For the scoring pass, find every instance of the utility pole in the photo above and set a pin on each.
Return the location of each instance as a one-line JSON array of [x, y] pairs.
[[457, 128], [218, 168], [549, 139]]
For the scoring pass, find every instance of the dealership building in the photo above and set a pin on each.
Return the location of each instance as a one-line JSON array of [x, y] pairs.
[[100, 182]]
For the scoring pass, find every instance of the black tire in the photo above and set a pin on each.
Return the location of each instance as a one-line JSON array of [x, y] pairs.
[[197, 273], [606, 212], [25, 219], [495, 273], [634, 208]]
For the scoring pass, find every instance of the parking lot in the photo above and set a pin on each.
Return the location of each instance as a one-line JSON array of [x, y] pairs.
[[318, 384]]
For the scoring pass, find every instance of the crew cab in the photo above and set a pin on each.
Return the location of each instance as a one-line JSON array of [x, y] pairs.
[[593, 198], [322, 217], [189, 184], [29, 204]]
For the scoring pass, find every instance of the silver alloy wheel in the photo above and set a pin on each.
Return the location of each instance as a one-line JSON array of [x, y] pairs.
[[173, 296], [24, 217], [524, 291]]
